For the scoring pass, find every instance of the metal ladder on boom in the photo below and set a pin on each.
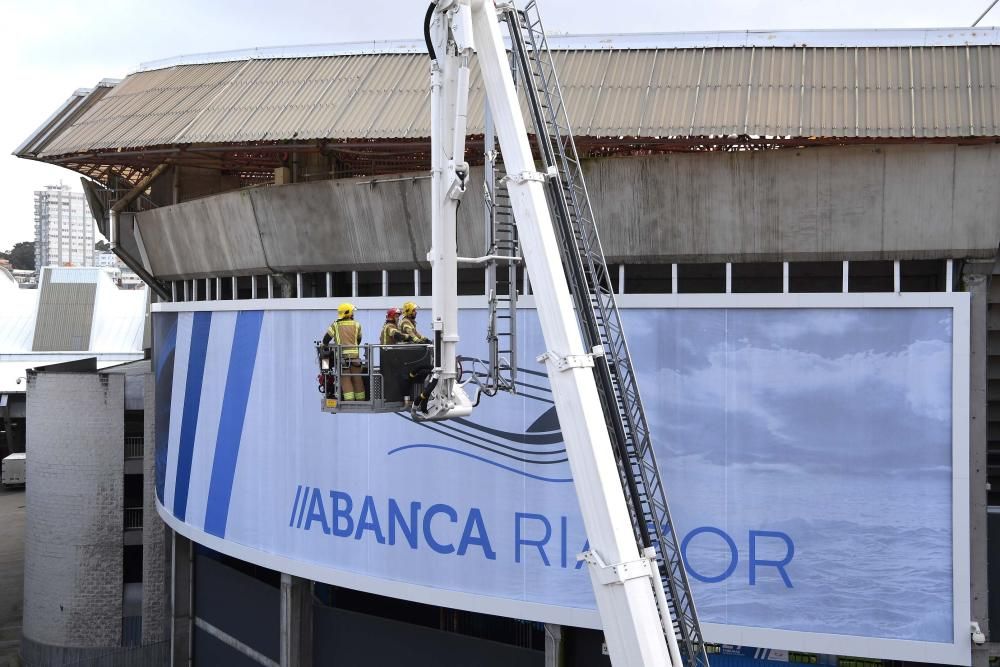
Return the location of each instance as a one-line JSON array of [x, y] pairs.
[[600, 322], [501, 273]]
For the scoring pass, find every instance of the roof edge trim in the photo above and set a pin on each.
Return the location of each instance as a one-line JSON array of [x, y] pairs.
[[891, 37]]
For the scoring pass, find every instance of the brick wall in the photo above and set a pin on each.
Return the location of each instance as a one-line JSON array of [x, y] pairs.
[[73, 531]]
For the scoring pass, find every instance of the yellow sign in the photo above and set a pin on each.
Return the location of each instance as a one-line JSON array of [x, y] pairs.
[[331, 403]]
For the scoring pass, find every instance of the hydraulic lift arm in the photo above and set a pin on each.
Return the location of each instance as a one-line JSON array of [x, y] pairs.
[[627, 587]]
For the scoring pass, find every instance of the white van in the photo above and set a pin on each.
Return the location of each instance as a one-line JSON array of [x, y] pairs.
[[13, 473]]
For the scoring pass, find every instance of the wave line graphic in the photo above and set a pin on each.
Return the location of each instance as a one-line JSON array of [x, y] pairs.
[[441, 430], [484, 460]]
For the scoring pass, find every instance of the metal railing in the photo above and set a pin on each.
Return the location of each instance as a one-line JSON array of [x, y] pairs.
[[133, 446], [133, 518]]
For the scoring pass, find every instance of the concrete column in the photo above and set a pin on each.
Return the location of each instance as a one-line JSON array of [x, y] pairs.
[[155, 546], [553, 645], [975, 278], [296, 621], [182, 602]]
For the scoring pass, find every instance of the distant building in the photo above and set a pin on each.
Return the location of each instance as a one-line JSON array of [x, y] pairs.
[[64, 228], [106, 260], [119, 271]]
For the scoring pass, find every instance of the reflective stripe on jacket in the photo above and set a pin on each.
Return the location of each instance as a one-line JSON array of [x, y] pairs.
[[347, 334], [391, 334], [409, 327]]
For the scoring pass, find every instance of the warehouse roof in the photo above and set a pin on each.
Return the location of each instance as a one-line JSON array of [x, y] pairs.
[[663, 89]]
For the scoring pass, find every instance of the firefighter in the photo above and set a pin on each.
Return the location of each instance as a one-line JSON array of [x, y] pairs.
[[409, 324], [346, 332], [391, 333]]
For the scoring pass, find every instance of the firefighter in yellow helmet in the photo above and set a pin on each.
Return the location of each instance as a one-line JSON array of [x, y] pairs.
[[346, 332], [408, 325]]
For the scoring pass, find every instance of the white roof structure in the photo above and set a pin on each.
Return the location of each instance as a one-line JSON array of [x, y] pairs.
[[83, 300]]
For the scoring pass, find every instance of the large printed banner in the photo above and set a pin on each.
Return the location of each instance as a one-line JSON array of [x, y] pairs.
[[807, 454]]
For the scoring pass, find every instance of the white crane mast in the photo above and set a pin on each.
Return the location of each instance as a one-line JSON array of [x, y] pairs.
[[626, 583]]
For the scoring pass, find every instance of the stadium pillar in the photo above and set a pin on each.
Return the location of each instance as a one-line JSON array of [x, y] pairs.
[[296, 621], [975, 278], [553, 645], [181, 601]]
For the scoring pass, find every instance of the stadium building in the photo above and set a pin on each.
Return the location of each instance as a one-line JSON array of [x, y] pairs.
[[803, 226]]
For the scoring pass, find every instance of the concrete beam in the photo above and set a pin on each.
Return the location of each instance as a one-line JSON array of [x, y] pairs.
[[926, 201]]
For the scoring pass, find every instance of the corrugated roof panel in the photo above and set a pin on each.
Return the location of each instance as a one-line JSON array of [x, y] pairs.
[[581, 75], [668, 95], [342, 92], [374, 97], [722, 92], [877, 91], [774, 99], [618, 111], [985, 76]]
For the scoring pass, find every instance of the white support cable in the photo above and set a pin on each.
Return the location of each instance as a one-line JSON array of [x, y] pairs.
[[621, 279], [949, 275], [673, 278], [173, 290], [416, 282], [896, 281], [784, 277], [329, 284], [270, 286], [253, 287], [235, 286], [299, 283], [845, 277], [208, 290], [385, 282], [354, 284], [218, 288], [729, 277]]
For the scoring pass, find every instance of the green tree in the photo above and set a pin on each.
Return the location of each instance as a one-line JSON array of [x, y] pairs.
[[22, 255]]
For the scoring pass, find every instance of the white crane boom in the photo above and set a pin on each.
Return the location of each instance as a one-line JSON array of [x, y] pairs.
[[626, 581]]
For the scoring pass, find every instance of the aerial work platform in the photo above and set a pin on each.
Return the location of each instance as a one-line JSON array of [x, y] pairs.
[[392, 375]]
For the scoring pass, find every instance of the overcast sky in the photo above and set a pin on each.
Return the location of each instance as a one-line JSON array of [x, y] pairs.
[[53, 47]]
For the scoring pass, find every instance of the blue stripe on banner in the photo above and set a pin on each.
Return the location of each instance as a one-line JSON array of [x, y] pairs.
[[234, 409], [200, 329]]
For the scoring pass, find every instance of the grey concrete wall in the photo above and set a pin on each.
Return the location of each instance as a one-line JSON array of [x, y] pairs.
[[824, 203], [155, 551], [73, 532]]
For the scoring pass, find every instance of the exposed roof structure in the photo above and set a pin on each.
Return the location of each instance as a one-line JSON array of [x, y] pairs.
[[639, 92], [75, 313]]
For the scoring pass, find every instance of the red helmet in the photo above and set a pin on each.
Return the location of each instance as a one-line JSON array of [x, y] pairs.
[[392, 313]]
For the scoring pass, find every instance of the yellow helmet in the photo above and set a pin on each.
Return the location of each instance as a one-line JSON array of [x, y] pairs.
[[345, 309], [409, 309]]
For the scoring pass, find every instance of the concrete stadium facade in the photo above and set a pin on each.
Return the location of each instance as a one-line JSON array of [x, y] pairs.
[[887, 216]]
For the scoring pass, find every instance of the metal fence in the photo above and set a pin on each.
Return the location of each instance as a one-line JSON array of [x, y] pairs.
[[133, 447], [133, 518]]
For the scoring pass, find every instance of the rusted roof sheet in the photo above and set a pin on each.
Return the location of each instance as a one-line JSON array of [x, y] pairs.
[[788, 91]]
